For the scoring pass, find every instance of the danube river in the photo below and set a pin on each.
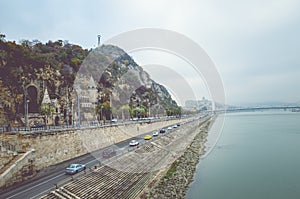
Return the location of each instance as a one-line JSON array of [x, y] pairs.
[[257, 156]]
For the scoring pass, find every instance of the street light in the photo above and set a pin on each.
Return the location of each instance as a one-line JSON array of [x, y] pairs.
[[67, 72], [23, 80], [26, 112], [78, 107], [101, 113], [110, 107]]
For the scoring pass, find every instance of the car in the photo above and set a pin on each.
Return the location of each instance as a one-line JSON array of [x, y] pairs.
[[162, 130], [169, 128], [174, 126], [178, 125], [39, 125], [115, 120], [75, 168], [107, 153], [94, 123], [133, 143], [155, 133], [147, 137]]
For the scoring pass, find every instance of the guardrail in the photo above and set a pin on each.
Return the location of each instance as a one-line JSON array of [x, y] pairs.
[[9, 129]]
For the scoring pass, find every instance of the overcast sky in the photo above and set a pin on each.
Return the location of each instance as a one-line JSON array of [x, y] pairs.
[[254, 44]]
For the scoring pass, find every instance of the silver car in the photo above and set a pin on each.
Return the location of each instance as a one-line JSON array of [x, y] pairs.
[[75, 168]]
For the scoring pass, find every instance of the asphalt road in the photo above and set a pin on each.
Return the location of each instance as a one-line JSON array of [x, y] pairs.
[[48, 178]]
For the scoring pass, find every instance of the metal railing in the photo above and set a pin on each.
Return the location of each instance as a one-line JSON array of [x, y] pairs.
[[14, 129]]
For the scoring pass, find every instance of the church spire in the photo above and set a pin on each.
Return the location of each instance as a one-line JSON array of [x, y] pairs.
[[46, 98]]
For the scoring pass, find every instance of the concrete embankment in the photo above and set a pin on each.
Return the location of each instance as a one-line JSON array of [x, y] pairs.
[[174, 182]]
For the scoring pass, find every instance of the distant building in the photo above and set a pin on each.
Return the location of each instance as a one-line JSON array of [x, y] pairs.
[[203, 104], [85, 99]]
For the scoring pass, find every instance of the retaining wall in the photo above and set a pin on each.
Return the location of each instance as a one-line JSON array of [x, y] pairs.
[[52, 147]]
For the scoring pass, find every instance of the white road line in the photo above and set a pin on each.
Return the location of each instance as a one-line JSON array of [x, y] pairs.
[[35, 186], [40, 193]]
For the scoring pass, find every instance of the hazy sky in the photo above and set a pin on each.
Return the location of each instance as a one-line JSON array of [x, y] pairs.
[[254, 44]]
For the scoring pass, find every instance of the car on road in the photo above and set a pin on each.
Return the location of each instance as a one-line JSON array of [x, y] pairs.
[[162, 130], [147, 137], [178, 125], [169, 128], [38, 125], [155, 133], [107, 153], [75, 168], [115, 120], [133, 143]]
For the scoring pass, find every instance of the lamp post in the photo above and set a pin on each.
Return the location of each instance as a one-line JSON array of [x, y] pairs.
[[78, 107], [110, 108], [78, 104], [67, 72], [22, 81], [67, 104], [26, 111], [101, 108]]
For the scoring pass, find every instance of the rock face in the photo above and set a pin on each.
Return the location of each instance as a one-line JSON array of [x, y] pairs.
[[120, 78]]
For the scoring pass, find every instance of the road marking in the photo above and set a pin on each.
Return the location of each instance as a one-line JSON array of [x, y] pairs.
[[120, 149], [40, 193], [35, 186]]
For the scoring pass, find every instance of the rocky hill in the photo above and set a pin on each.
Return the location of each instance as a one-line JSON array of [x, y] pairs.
[[30, 68], [130, 87]]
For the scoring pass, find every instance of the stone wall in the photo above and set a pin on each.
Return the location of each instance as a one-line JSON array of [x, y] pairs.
[[52, 147], [21, 170]]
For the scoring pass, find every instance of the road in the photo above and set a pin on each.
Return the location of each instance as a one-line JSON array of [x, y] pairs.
[[55, 175]]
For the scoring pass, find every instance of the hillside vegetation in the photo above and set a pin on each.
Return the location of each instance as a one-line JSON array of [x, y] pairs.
[[55, 65]]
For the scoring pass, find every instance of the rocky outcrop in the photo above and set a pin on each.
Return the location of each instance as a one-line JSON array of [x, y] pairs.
[[118, 76]]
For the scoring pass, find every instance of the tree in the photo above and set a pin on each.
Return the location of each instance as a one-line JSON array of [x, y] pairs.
[[47, 110]]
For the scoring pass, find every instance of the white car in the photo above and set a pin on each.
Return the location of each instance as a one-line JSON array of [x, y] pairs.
[[169, 128], [155, 133], [115, 120], [133, 143]]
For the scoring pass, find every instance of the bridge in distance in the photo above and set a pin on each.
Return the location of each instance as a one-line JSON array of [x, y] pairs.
[[260, 108]]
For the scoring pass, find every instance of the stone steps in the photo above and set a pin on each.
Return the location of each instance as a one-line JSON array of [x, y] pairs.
[[125, 176]]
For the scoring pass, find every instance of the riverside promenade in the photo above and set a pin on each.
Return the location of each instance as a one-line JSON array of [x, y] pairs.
[[138, 174]]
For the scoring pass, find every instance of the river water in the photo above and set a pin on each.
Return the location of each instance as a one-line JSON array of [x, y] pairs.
[[257, 156]]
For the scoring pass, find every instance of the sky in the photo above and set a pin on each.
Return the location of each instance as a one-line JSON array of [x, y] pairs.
[[254, 45]]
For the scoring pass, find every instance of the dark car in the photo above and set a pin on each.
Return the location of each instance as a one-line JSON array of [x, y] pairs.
[[109, 153], [162, 130], [38, 125]]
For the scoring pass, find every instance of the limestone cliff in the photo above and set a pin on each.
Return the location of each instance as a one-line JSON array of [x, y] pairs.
[[119, 76]]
